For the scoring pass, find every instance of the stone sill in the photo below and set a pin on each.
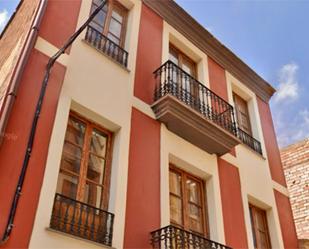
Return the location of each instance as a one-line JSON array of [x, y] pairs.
[[78, 238]]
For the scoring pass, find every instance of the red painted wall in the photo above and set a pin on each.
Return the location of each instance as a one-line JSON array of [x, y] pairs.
[[149, 54], [271, 145], [143, 193], [286, 221], [217, 79], [232, 206], [60, 21], [13, 148], [218, 84]]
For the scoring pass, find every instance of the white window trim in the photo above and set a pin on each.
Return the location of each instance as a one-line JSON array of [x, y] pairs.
[[235, 86], [171, 35]]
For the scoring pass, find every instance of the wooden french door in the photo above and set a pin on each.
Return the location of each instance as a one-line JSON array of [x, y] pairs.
[[84, 175], [185, 85], [259, 228], [242, 113], [85, 164], [187, 202]]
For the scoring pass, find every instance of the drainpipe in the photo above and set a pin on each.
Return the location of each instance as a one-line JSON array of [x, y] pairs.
[[51, 62], [11, 92]]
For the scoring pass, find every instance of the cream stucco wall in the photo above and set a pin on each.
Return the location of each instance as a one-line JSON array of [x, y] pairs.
[[101, 90]]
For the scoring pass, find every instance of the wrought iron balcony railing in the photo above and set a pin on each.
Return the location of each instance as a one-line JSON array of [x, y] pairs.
[[171, 79], [249, 141], [171, 237], [82, 220], [107, 46]]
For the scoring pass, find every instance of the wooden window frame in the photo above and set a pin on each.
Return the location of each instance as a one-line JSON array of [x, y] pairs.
[[181, 57], [253, 209], [184, 201], [105, 185], [113, 4], [238, 117]]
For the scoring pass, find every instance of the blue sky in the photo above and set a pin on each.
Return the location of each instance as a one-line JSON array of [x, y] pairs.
[[271, 37]]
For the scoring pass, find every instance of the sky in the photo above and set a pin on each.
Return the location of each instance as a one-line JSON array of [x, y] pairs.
[[271, 36]]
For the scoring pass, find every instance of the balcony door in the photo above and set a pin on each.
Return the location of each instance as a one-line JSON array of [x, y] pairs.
[[187, 202], [259, 225], [181, 76], [111, 21], [83, 180], [242, 113]]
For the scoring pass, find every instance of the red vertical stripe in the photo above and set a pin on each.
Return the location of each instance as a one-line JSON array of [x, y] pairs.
[[232, 205], [13, 148], [143, 193], [149, 54], [286, 221], [271, 145]]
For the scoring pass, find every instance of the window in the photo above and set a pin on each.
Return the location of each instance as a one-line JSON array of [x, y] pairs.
[[182, 83], [85, 165], [187, 201], [259, 228], [242, 113], [82, 194], [111, 21], [183, 61]]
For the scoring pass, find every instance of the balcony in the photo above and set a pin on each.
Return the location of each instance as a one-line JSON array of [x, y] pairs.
[[82, 220], [250, 141], [171, 237], [192, 111], [96, 39]]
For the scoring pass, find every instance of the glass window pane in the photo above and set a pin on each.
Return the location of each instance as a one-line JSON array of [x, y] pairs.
[[99, 28], [175, 183], [195, 216], [97, 2], [95, 171], [117, 15], [67, 185], [115, 28], [71, 157], [113, 39], [100, 18], [93, 194], [252, 227], [75, 131], [193, 189], [176, 209], [98, 143], [188, 67], [173, 57]]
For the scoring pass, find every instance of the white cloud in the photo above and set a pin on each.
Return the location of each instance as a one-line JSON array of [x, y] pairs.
[[288, 84], [291, 129], [4, 16], [305, 116]]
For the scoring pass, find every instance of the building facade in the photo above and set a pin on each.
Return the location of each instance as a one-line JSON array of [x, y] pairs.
[[152, 134], [295, 160]]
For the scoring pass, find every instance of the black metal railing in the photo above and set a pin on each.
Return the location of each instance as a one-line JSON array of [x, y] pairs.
[[249, 141], [172, 80], [107, 46], [82, 220], [171, 237]]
